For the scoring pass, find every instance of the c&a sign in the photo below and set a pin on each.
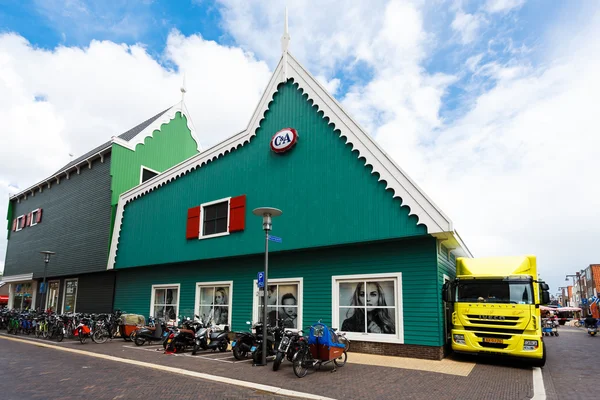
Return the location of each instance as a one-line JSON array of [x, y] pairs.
[[284, 140]]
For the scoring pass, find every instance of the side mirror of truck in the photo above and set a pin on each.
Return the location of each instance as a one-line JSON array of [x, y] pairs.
[[544, 286], [545, 297]]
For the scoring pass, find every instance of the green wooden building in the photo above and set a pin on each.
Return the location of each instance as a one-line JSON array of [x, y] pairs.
[[363, 248]]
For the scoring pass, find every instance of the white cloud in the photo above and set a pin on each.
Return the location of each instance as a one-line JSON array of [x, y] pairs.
[[102, 90], [467, 25], [495, 6]]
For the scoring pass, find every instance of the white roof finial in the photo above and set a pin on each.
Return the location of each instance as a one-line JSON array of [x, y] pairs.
[[285, 42], [182, 89], [285, 39]]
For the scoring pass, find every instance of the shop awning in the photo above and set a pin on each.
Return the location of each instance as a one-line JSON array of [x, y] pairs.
[[18, 278]]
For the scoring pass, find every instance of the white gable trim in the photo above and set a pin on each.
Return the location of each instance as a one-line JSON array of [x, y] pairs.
[[412, 196], [165, 118]]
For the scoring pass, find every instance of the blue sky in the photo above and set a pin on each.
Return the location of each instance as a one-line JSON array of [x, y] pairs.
[[488, 105]]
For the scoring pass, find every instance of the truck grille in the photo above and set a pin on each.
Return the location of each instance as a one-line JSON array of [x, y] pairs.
[[493, 330], [497, 320], [493, 345], [492, 335]]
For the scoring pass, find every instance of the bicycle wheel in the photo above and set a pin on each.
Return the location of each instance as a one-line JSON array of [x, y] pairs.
[[341, 360], [301, 361], [100, 336], [38, 331], [60, 335]]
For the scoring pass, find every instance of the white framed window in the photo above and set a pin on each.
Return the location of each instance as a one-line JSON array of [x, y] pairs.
[[20, 222], [284, 303], [52, 293], [369, 307], [69, 303], [214, 218], [164, 302], [147, 173], [34, 217], [213, 301]]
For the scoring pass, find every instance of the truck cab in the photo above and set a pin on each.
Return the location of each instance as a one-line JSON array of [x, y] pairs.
[[495, 307]]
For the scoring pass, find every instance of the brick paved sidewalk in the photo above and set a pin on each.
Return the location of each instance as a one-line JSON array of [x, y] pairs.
[[484, 381]]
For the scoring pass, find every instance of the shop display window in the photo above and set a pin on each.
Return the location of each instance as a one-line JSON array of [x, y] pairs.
[[22, 296], [213, 302], [368, 305], [52, 295], [70, 296], [284, 299], [165, 302]]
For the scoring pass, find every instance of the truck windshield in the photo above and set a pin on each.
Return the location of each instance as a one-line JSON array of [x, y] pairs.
[[495, 292]]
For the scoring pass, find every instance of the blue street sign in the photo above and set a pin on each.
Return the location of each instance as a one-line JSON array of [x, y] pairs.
[[274, 239], [261, 280], [42, 287], [584, 300]]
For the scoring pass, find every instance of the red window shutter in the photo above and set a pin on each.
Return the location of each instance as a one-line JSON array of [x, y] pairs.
[[39, 216], [29, 218], [237, 213], [193, 223], [14, 225]]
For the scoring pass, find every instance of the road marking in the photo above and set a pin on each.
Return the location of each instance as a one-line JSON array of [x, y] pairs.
[[539, 391], [201, 375]]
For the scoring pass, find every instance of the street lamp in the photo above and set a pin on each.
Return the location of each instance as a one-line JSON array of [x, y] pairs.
[[47, 255], [267, 213]]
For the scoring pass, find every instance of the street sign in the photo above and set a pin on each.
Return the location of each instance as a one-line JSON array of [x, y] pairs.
[[274, 239], [584, 300], [261, 279]]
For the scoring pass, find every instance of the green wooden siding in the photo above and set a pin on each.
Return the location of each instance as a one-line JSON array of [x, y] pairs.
[[327, 194], [446, 266], [414, 258]]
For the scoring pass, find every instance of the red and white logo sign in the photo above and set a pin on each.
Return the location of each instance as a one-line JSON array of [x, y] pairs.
[[284, 140]]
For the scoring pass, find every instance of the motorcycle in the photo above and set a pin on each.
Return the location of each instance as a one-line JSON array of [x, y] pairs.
[[592, 327], [156, 333], [289, 345], [183, 338]]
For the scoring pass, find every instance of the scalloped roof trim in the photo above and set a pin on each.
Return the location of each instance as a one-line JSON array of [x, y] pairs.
[[404, 188], [156, 125]]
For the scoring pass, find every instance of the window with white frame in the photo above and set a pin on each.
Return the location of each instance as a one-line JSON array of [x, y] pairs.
[[284, 303], [70, 296], [52, 295], [215, 218], [165, 302], [34, 217], [147, 173], [20, 222], [369, 306], [213, 301]]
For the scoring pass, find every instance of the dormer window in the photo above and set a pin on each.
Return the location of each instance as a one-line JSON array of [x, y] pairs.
[[147, 173]]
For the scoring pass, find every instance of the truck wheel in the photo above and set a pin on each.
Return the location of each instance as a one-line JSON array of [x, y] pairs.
[[542, 361]]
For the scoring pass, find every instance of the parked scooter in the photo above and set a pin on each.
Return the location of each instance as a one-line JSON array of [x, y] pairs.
[[183, 338], [245, 342], [156, 333]]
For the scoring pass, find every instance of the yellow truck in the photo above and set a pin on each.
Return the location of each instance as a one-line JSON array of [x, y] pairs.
[[494, 305]]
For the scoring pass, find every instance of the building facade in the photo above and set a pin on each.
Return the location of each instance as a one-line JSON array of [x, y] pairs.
[[72, 213], [362, 246]]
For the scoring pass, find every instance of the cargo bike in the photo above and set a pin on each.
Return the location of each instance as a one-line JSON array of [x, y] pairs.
[[129, 324], [323, 346]]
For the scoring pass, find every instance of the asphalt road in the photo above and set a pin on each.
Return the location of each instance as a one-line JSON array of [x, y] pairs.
[[572, 369], [33, 372]]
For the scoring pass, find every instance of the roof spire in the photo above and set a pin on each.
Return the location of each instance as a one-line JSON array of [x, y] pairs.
[[285, 42], [182, 88]]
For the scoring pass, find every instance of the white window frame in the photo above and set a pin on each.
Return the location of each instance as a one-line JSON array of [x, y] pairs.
[[165, 286], [48, 293], [214, 284], [34, 215], [280, 281], [202, 214], [19, 219], [65, 293], [370, 337], [142, 168]]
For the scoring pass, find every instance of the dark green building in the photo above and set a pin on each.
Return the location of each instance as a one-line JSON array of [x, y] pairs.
[[363, 248]]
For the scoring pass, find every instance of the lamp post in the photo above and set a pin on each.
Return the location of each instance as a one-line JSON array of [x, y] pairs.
[[47, 254], [267, 213]]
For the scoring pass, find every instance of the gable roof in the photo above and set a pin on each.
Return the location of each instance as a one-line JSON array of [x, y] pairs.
[[128, 139], [420, 205]]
